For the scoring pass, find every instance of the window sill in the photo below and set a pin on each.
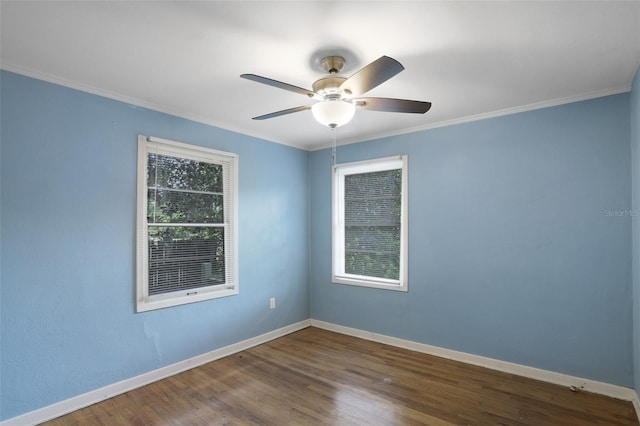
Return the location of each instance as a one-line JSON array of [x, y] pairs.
[[159, 302], [371, 282]]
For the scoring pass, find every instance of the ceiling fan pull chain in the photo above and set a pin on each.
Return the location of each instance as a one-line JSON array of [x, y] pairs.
[[333, 145]]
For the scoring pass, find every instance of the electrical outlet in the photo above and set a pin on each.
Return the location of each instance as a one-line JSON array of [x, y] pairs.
[[272, 303]]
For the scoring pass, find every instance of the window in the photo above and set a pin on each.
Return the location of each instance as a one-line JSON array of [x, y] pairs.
[[370, 223], [186, 224]]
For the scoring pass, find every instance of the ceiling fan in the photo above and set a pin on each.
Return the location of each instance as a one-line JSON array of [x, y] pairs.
[[339, 96]]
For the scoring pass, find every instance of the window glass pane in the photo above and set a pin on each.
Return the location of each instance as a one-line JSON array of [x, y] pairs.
[[180, 173], [372, 223], [182, 258], [166, 206], [374, 184], [372, 251]]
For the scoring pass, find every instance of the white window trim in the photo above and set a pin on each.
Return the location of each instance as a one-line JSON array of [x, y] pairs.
[[338, 274], [144, 302]]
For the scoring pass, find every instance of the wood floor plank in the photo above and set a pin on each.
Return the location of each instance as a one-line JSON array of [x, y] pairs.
[[316, 377]]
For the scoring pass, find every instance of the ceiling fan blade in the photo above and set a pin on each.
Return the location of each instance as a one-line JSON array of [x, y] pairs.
[[279, 84], [393, 105], [283, 112], [372, 75]]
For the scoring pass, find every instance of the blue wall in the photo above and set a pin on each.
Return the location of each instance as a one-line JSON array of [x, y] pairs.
[[635, 167], [512, 254], [68, 245]]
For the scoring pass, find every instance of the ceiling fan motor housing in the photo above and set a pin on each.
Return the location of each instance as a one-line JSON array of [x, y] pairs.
[[328, 85]]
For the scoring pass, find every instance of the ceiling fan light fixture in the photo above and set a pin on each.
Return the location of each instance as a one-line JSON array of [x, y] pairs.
[[333, 112]]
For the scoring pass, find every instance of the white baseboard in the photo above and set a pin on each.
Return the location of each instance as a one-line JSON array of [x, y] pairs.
[[614, 391], [77, 402]]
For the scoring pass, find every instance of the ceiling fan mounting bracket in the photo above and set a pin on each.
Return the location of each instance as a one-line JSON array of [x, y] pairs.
[[332, 64]]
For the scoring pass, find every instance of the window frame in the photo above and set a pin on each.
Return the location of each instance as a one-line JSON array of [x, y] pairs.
[[338, 274], [145, 302]]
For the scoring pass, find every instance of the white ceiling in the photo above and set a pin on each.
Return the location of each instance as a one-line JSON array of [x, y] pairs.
[[470, 59]]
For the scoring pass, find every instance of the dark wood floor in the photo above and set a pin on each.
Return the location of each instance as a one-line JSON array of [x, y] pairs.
[[318, 377]]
